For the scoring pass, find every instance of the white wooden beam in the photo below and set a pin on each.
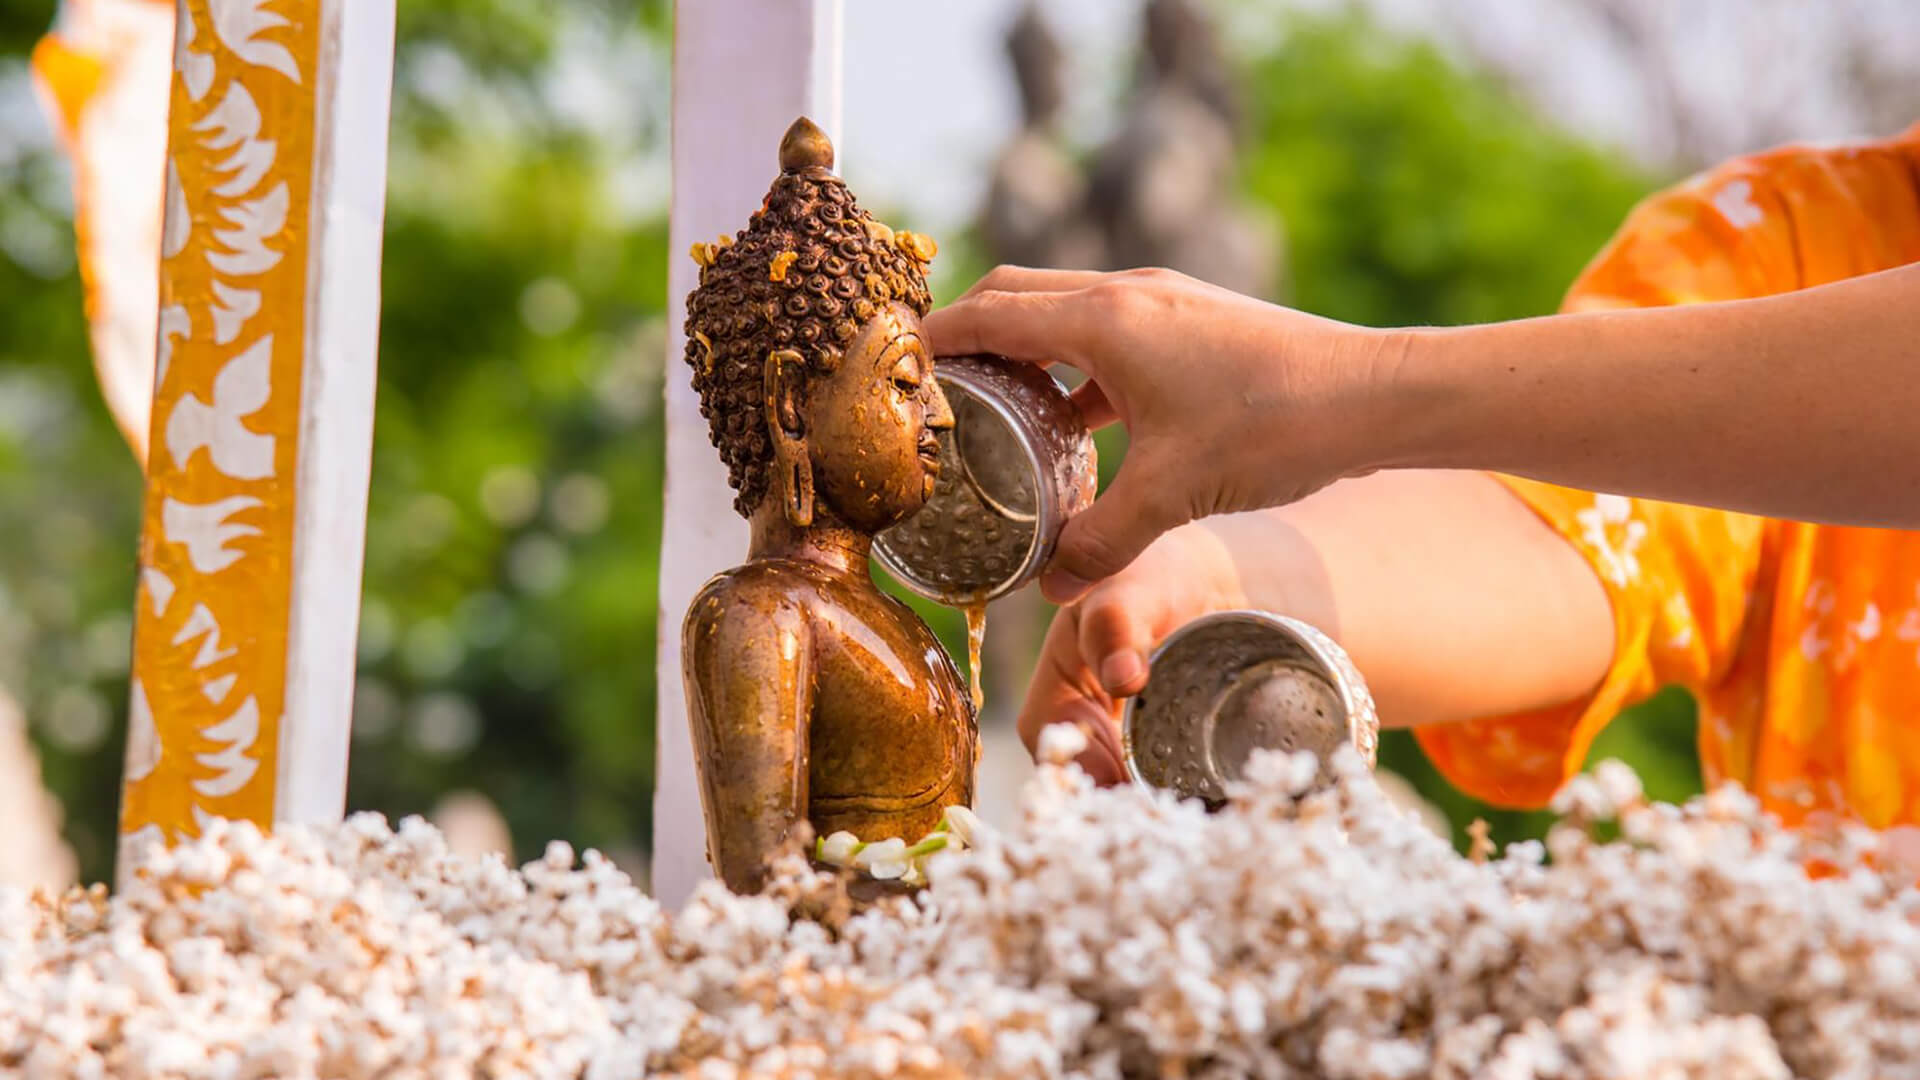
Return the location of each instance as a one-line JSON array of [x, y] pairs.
[[262, 414], [742, 71], [336, 417]]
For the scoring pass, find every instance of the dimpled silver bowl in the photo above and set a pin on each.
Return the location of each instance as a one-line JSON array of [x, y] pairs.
[[1233, 682], [1016, 465]]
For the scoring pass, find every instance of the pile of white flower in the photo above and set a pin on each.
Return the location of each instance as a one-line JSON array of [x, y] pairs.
[[1114, 933]]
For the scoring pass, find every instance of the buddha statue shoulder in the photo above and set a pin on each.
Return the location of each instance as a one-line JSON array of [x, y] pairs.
[[813, 695]]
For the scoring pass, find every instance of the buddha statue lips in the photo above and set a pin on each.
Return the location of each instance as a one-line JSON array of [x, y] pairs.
[[812, 695]]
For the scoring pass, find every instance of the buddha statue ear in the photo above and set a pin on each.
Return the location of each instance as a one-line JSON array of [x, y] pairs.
[[793, 466]]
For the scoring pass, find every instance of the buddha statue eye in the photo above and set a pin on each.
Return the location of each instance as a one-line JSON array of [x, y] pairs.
[[906, 375]]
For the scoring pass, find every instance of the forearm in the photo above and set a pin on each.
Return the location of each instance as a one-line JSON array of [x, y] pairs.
[[1455, 601], [1801, 405]]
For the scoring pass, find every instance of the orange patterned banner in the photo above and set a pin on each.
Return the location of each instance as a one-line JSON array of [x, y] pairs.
[[211, 626], [102, 74]]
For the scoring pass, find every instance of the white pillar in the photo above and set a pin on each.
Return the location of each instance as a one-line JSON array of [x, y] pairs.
[[742, 71], [250, 552]]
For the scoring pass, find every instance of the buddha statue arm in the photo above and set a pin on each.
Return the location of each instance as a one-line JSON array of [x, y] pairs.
[[749, 673]]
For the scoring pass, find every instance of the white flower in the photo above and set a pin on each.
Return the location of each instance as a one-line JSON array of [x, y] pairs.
[[885, 859], [1618, 782], [838, 849], [963, 823], [1276, 936], [1613, 534], [1061, 743]]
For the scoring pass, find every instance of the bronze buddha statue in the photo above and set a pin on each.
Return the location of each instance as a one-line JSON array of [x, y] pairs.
[[814, 696]]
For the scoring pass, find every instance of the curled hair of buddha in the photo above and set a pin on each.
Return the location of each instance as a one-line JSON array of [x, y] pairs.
[[806, 273]]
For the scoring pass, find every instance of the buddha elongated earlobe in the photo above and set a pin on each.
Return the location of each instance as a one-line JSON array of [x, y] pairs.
[[793, 466], [796, 480]]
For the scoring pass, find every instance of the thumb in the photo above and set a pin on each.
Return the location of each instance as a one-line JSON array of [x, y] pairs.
[[1117, 622], [1100, 541]]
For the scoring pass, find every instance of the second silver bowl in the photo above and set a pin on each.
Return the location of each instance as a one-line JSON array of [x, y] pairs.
[[1235, 682]]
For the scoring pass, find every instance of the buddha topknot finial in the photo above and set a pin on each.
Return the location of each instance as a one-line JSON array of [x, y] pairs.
[[805, 146]]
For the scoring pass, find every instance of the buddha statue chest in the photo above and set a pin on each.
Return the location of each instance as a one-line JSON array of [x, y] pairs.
[[892, 738]]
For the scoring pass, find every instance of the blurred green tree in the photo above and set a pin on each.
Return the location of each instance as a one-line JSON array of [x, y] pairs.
[[69, 488], [513, 523], [513, 532]]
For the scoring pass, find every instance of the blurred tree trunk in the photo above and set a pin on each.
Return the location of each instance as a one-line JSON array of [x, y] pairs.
[[1159, 192]]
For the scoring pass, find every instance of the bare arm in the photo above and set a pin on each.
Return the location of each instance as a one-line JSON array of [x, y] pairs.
[[750, 697], [1804, 405], [1453, 598], [1800, 405]]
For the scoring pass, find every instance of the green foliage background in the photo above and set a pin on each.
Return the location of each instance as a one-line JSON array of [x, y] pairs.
[[514, 522]]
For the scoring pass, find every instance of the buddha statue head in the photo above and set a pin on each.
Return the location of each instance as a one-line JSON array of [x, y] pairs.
[[804, 339]]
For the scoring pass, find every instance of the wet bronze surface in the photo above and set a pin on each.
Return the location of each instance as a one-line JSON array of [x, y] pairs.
[[813, 695]]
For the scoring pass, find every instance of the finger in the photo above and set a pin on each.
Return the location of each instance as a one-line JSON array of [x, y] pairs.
[[1038, 327], [1103, 759], [1095, 410], [1099, 542], [1009, 278], [1064, 691], [1116, 630], [1060, 678]]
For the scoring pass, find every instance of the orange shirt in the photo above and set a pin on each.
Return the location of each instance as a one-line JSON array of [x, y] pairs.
[[1800, 642]]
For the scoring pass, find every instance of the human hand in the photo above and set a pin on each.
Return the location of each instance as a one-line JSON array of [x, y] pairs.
[[1487, 577], [1095, 651], [1230, 403]]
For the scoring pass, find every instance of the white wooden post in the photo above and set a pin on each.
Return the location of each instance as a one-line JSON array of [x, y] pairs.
[[262, 415], [742, 71]]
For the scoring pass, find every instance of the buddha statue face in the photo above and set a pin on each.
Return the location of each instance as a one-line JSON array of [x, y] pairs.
[[870, 427]]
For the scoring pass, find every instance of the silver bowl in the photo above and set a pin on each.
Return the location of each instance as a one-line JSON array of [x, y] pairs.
[[1016, 465], [1228, 684]]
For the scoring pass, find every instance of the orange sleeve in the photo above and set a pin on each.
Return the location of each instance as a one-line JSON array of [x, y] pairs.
[[1678, 577]]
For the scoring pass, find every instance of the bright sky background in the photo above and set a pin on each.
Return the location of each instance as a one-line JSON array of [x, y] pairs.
[[930, 95], [923, 147]]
